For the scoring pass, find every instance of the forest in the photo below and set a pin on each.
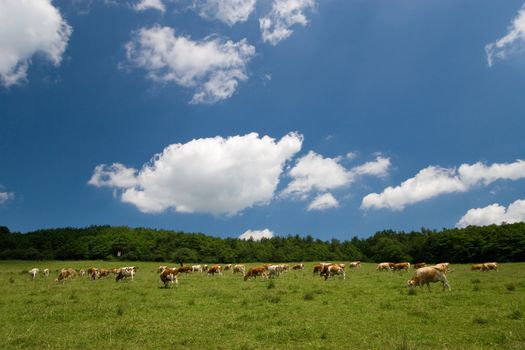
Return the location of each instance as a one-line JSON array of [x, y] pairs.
[[502, 243]]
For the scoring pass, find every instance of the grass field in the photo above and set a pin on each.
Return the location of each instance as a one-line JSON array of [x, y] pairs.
[[368, 310]]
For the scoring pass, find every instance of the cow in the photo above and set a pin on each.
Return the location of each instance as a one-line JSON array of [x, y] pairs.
[[274, 270], [65, 274], [103, 273], [490, 266], [354, 265], [196, 268], [298, 267], [186, 269], [419, 265], [383, 266], [82, 272], [317, 268], [125, 272], [332, 270], [161, 268], [227, 267], [400, 266], [168, 276], [205, 267], [215, 269], [256, 271], [239, 268], [46, 273], [34, 272], [285, 267], [92, 272], [428, 274], [479, 267]]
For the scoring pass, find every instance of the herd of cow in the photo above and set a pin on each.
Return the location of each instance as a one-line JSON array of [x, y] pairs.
[[423, 274]]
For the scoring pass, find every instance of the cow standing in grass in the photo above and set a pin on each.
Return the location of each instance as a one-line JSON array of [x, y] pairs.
[[425, 275], [34, 272], [298, 267], [332, 270], [256, 271], [169, 276], [239, 268], [354, 265], [383, 266]]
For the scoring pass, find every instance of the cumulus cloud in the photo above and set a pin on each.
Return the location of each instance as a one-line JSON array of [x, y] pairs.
[[227, 11], [212, 67], [5, 196], [277, 24], [143, 5], [511, 42], [256, 235], [323, 201], [211, 175], [314, 172], [28, 28], [494, 214], [434, 181]]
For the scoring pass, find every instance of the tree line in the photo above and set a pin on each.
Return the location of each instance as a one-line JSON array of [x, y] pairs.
[[502, 243]]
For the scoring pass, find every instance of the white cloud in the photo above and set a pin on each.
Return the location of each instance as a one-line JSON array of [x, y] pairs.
[[212, 66], [5, 196], [212, 175], [28, 28], [434, 181], [323, 201], [143, 5], [494, 214], [314, 172], [257, 235], [276, 25], [227, 11], [511, 42], [379, 167]]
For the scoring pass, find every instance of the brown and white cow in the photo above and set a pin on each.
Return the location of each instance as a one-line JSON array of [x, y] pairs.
[[227, 267], [215, 269], [400, 266], [92, 272], [103, 272], [478, 267], [317, 268], [383, 266], [298, 267], [125, 272], [256, 271], [169, 276], [490, 266], [185, 268], [354, 265], [46, 273], [34, 272], [332, 270], [239, 268], [196, 268], [65, 274], [425, 275]]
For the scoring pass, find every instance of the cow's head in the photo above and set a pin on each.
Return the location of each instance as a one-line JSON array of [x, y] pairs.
[[411, 283]]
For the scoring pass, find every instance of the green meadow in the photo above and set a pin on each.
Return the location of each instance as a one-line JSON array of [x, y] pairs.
[[368, 310]]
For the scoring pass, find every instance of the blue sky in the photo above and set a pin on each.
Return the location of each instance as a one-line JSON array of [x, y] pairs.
[[331, 118]]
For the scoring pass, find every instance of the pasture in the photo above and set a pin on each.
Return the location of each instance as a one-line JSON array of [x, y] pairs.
[[368, 310]]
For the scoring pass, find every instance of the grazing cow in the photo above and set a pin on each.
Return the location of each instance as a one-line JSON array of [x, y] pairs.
[[82, 272], [125, 272], [92, 272], [419, 265], [274, 270], [256, 271], [332, 270], [186, 269], [168, 276], [34, 272], [425, 275], [103, 273], [443, 267], [205, 267], [354, 265], [490, 266], [227, 267], [285, 267], [318, 268], [401, 266], [196, 268], [65, 274], [479, 267], [215, 269], [239, 268], [298, 267], [46, 273], [383, 266]]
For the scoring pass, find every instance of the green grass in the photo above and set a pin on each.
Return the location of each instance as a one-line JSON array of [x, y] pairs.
[[368, 310]]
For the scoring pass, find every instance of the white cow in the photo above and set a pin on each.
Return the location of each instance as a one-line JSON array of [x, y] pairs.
[[34, 272], [46, 273]]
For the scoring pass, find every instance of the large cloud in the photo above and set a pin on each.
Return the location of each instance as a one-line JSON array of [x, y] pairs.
[[494, 214], [512, 41], [276, 25], [212, 66], [213, 175], [256, 235], [227, 11], [434, 181], [28, 27]]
